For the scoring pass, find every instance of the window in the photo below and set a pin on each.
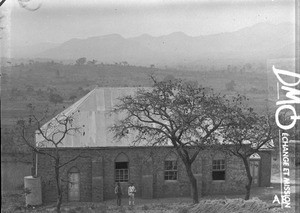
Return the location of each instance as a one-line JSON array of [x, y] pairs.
[[121, 171], [121, 168], [170, 170], [218, 170]]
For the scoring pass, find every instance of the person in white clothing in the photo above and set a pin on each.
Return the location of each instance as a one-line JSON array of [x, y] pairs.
[[131, 192]]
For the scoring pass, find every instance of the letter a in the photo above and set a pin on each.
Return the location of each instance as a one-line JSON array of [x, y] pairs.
[[276, 199]]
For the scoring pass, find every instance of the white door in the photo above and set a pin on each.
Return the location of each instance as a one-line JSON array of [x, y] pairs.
[[74, 187], [254, 169]]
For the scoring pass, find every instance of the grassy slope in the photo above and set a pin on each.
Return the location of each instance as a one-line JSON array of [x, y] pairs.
[[66, 80]]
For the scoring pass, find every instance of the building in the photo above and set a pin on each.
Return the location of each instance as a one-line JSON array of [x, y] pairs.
[[156, 171]]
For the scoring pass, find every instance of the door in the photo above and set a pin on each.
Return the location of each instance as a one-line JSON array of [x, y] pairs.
[[254, 169], [74, 186]]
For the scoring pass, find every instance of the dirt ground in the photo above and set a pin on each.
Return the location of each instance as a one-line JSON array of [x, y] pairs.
[[260, 202]]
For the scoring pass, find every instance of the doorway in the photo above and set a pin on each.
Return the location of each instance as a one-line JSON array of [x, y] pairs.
[[74, 184], [254, 168]]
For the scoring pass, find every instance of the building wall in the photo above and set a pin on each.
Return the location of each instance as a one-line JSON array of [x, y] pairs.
[[146, 170]]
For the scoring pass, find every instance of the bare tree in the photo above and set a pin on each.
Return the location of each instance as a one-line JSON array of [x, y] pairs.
[[183, 115], [50, 135], [247, 134]]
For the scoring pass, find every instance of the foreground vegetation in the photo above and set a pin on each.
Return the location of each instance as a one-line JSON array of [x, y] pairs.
[[169, 205]]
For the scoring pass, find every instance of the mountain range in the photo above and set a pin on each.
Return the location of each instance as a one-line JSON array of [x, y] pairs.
[[258, 42]]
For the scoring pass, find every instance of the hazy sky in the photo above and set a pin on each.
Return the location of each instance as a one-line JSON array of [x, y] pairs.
[[60, 20]]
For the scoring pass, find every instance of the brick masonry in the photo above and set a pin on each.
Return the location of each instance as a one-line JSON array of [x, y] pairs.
[[146, 170]]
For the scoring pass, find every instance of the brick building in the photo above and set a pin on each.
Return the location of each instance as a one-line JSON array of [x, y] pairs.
[[156, 171]]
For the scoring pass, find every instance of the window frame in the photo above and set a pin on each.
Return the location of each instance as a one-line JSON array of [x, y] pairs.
[[122, 175], [218, 165], [170, 172]]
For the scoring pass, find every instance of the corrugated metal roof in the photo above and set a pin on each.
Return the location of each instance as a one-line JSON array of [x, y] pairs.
[[90, 114], [70, 109]]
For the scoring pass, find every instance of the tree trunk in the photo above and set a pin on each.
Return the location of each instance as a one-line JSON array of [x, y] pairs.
[[193, 181], [249, 177], [59, 191], [188, 166]]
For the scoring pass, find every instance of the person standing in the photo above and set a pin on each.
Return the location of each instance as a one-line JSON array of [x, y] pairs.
[[118, 192], [131, 192]]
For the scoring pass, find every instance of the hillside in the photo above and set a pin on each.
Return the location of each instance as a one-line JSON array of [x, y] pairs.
[[36, 81], [258, 42]]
